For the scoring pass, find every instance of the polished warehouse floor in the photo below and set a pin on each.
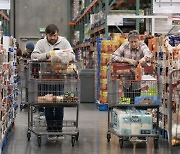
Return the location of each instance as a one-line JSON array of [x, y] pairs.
[[92, 138]]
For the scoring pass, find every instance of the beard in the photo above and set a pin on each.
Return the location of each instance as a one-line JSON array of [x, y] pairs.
[[52, 41]]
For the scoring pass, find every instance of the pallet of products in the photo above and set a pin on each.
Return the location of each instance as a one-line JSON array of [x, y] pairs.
[[166, 51], [105, 48]]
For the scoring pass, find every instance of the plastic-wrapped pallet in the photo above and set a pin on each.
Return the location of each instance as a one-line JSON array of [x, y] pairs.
[[131, 122]]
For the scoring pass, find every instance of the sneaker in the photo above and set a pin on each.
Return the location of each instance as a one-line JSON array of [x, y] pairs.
[[52, 137], [60, 137], [39, 116]]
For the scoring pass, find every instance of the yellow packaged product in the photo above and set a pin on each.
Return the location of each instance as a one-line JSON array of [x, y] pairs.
[[115, 45], [103, 73], [104, 58], [104, 84], [106, 46], [105, 94]]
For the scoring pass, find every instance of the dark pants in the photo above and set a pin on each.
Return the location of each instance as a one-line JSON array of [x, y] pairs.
[[54, 115], [54, 118]]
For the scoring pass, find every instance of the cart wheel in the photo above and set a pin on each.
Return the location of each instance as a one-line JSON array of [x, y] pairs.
[[13, 124], [34, 110], [21, 107], [108, 137], [77, 136], [121, 142], [28, 136], [155, 143], [73, 139], [39, 140]]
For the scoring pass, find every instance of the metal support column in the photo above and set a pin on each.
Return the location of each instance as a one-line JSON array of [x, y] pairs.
[[137, 13], [106, 14], [68, 17], [151, 13], [81, 30]]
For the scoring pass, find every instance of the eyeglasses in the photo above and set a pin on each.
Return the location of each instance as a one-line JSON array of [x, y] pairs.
[[134, 32]]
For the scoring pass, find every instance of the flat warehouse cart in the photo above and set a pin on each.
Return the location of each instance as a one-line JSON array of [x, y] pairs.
[[174, 108], [24, 82], [133, 103], [56, 89]]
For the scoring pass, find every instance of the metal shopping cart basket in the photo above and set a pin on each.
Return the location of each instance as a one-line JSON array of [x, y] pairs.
[[24, 82], [174, 108], [53, 88], [133, 102]]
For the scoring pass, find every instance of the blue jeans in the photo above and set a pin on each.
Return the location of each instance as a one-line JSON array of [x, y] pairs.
[[54, 115]]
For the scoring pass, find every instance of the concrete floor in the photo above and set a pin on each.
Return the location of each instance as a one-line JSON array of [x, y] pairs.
[[92, 139]]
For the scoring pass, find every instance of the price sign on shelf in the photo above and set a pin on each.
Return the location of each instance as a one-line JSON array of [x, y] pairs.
[[113, 20]]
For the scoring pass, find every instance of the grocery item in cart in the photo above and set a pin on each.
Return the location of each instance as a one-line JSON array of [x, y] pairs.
[[175, 134], [60, 59], [131, 121], [50, 98], [149, 91]]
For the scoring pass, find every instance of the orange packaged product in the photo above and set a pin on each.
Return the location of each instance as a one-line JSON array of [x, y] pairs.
[[139, 72], [103, 73], [104, 84], [104, 58], [104, 97], [106, 46], [115, 45]]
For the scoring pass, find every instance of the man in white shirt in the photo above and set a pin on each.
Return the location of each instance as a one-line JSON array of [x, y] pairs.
[[42, 52]]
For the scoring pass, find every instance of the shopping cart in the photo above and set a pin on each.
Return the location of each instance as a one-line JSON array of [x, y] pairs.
[[133, 103], [174, 108], [52, 87], [24, 82]]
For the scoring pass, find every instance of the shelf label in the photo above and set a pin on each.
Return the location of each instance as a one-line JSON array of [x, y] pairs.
[[114, 20]]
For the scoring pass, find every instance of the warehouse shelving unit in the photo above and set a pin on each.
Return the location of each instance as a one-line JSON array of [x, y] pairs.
[[101, 29], [8, 87], [166, 55], [96, 14], [4, 19]]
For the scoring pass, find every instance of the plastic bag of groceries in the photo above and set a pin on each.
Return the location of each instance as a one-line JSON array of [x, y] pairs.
[[60, 59]]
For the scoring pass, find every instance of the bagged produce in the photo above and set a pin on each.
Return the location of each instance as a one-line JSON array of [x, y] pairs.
[[60, 59]]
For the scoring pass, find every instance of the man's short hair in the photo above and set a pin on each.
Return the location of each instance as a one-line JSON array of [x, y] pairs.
[[133, 34], [51, 29]]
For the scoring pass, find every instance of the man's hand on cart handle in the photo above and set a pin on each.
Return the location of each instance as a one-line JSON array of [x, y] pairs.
[[48, 55], [142, 61], [131, 61]]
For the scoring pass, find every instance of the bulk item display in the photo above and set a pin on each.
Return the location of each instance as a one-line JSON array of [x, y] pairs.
[[8, 86], [105, 48], [166, 51]]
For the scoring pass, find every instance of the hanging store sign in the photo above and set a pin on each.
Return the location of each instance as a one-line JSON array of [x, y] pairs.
[[166, 6], [176, 21], [166, 1], [113, 20], [4, 4]]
